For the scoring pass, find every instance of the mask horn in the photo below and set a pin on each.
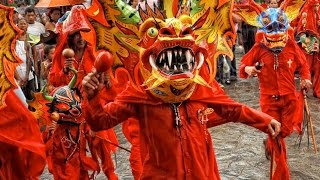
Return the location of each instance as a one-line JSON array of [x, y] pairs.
[[74, 78], [45, 95]]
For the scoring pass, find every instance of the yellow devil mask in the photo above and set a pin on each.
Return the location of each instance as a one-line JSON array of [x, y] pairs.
[[163, 54]]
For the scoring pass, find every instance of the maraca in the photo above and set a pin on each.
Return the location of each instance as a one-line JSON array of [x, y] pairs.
[[68, 53], [103, 61]]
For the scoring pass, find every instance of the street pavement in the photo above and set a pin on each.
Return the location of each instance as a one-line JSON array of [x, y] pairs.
[[239, 149]]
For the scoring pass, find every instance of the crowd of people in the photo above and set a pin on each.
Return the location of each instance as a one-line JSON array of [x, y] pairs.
[[71, 80]]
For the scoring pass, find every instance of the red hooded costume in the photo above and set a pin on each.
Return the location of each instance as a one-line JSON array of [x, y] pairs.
[[76, 22], [278, 96], [309, 23], [175, 143]]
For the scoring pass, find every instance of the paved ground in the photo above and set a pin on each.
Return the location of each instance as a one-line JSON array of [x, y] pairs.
[[239, 149]]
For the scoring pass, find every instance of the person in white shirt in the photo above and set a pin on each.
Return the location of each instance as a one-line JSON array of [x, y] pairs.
[[35, 29], [24, 74]]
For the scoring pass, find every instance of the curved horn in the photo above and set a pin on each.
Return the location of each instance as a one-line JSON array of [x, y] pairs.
[[171, 7], [74, 78], [45, 95], [292, 8], [128, 12]]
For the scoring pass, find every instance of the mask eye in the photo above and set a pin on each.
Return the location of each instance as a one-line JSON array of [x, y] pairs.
[[152, 32], [281, 26], [281, 19], [76, 97], [265, 20], [62, 106]]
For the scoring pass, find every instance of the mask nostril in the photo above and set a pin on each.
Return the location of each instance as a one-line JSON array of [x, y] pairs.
[[269, 28], [281, 26]]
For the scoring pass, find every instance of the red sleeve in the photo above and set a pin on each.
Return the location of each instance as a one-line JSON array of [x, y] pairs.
[[303, 66], [248, 59], [244, 114], [104, 117]]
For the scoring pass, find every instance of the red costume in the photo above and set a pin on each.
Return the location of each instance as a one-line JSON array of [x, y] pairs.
[[171, 90], [22, 152], [278, 96], [279, 83], [186, 143], [77, 22], [130, 127], [309, 20]]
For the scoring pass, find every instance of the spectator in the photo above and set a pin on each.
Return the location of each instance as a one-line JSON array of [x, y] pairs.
[[35, 29], [54, 14], [24, 72], [46, 64], [273, 4], [223, 69], [134, 4]]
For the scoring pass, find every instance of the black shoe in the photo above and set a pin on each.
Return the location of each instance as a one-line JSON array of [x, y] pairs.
[[233, 78], [228, 82]]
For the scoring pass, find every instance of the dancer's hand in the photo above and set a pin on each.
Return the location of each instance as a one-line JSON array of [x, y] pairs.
[[305, 84], [68, 64], [93, 82], [274, 128], [251, 70]]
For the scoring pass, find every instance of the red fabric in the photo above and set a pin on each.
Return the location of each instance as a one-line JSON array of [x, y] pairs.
[[97, 8], [280, 81], [175, 5], [22, 152], [311, 19], [75, 22], [169, 152], [102, 148], [316, 77], [58, 78], [130, 127], [281, 171], [69, 159], [298, 114], [287, 108], [131, 131], [312, 60]]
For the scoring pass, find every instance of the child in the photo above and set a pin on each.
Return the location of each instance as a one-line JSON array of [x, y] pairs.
[[46, 64]]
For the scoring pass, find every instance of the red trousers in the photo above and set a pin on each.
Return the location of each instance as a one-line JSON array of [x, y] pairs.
[[284, 109]]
